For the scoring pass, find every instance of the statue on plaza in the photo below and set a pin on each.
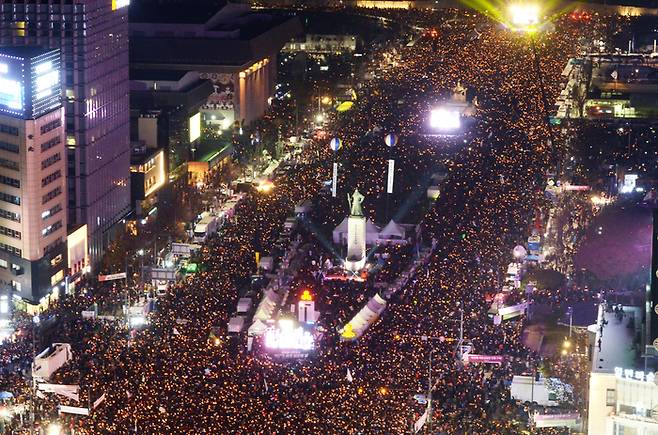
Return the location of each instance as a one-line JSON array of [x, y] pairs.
[[355, 203]]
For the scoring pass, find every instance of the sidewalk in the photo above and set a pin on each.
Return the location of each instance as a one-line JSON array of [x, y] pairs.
[[616, 344]]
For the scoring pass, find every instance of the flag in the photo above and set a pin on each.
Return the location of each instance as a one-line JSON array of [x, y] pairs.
[[176, 332], [418, 425], [265, 385], [614, 74], [349, 376]]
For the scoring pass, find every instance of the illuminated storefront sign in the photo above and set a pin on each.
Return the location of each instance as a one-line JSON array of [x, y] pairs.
[[118, 4], [195, 127]]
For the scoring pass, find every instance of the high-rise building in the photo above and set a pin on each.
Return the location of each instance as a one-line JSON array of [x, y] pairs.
[[93, 38], [33, 217]]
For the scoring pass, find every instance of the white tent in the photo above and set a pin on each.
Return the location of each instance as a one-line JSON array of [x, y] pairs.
[[257, 328], [392, 231]]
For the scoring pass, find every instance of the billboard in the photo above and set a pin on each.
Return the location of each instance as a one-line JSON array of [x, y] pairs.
[[46, 84], [12, 92], [118, 4], [30, 83], [195, 127]]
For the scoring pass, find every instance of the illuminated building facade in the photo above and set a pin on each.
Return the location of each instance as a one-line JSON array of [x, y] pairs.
[[162, 104], [33, 218], [148, 175], [234, 48], [92, 36]]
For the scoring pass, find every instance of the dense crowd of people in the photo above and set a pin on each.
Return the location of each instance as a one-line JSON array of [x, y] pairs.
[[184, 374]]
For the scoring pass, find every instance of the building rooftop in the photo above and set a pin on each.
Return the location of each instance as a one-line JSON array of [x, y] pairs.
[[157, 74], [174, 11], [24, 51]]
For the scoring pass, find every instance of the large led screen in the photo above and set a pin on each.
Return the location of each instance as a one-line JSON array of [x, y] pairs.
[[12, 99], [46, 83]]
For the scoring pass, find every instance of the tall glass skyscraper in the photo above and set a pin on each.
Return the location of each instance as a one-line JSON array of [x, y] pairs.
[[92, 36]]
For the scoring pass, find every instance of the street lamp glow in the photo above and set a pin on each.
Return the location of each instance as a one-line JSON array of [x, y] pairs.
[[443, 119], [524, 16], [319, 118]]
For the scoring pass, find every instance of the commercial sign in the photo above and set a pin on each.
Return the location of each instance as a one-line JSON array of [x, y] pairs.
[[118, 4], [30, 86], [112, 277], [11, 86], [195, 127]]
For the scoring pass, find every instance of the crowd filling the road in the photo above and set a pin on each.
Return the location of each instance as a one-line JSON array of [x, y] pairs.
[[184, 374]]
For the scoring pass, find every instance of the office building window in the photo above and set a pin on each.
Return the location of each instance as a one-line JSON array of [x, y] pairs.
[[610, 397], [16, 286], [8, 129], [9, 164], [51, 143], [9, 147], [51, 228], [10, 181], [50, 126], [52, 246], [57, 277], [9, 215], [3, 263], [10, 198], [50, 178], [51, 160], [53, 211], [9, 232], [10, 249], [52, 194]]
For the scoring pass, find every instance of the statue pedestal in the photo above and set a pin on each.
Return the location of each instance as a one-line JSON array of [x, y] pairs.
[[356, 243]]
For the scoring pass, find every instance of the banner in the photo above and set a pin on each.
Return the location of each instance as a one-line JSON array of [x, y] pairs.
[[418, 425], [112, 277], [73, 410], [334, 180], [556, 420], [485, 359], [391, 175]]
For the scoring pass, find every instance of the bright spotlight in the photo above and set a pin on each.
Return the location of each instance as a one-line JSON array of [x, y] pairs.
[[524, 16], [443, 119]]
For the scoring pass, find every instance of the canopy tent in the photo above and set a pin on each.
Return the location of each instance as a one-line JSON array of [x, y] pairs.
[[393, 230], [257, 328]]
